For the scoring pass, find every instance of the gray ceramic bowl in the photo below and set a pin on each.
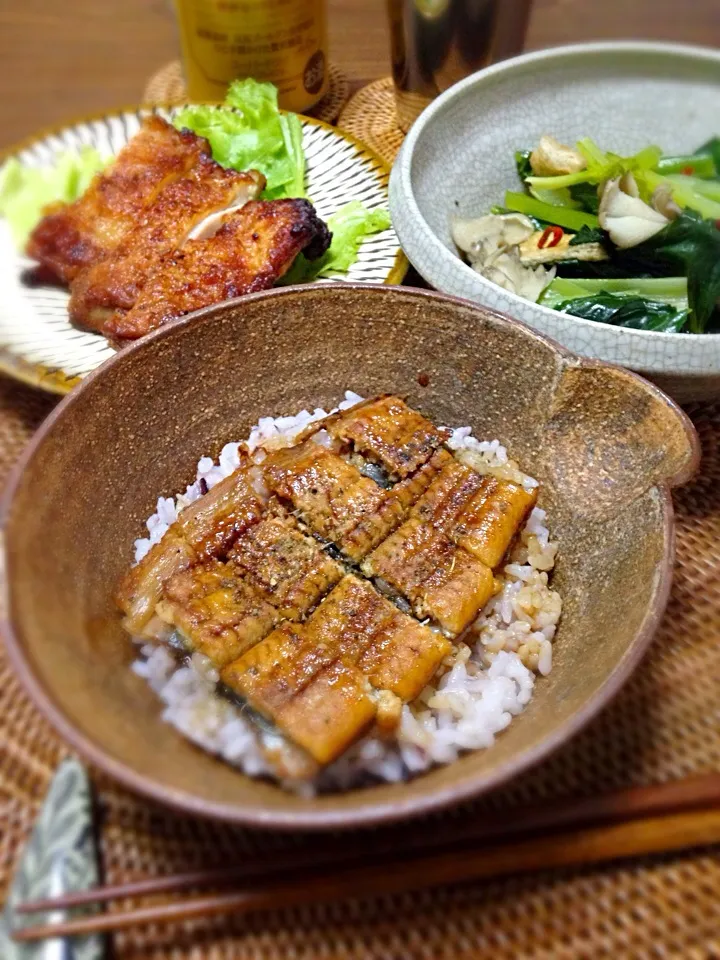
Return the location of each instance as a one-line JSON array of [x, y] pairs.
[[458, 159], [605, 444]]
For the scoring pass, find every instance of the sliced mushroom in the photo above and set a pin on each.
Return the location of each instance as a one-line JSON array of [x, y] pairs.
[[506, 270], [628, 219], [550, 158], [491, 246], [628, 185], [481, 237], [531, 253], [663, 201]]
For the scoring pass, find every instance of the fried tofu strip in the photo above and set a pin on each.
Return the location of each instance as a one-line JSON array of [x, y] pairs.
[[440, 580], [216, 611], [115, 282], [74, 236], [479, 513], [315, 681], [291, 570], [388, 431], [250, 252]]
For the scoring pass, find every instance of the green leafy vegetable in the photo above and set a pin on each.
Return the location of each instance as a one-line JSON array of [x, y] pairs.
[[349, 227], [555, 198], [522, 163], [624, 310], [254, 134], [587, 235], [712, 147], [26, 191], [569, 219], [705, 188], [612, 269], [689, 245], [586, 196], [697, 165], [672, 290], [684, 193], [671, 281], [601, 166]]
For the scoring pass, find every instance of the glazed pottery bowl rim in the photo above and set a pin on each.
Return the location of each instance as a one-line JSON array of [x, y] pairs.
[[402, 191], [372, 813]]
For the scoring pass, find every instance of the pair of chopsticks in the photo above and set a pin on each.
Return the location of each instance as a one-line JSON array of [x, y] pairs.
[[632, 822]]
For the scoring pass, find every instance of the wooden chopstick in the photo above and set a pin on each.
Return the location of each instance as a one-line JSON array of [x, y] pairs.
[[588, 845], [622, 805]]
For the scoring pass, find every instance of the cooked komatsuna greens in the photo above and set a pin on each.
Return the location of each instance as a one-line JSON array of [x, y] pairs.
[[331, 579], [630, 241]]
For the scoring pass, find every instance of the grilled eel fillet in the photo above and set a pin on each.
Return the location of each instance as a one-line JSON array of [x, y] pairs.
[[251, 250], [316, 680], [244, 577], [115, 283], [73, 236]]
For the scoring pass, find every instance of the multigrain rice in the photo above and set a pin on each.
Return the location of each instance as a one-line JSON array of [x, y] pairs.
[[486, 681]]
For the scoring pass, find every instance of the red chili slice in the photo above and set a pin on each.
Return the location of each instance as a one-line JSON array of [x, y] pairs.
[[688, 171], [551, 237]]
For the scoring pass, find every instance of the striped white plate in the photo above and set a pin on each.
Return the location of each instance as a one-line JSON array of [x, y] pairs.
[[39, 345]]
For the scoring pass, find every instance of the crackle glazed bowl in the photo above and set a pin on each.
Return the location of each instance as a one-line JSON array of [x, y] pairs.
[[606, 446], [458, 159]]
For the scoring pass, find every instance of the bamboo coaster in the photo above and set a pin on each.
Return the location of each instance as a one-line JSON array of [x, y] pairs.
[[168, 86], [370, 115]]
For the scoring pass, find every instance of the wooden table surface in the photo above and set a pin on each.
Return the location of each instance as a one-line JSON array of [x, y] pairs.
[[61, 60]]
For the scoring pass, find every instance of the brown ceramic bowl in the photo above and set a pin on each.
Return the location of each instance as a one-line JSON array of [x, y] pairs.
[[606, 445]]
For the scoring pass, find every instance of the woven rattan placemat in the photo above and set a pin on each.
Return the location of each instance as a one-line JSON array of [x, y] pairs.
[[664, 724]]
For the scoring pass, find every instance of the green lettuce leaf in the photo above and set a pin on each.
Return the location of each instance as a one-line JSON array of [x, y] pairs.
[[26, 191], [254, 134], [349, 227]]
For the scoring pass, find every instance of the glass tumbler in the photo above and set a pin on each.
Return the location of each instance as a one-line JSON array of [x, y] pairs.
[[435, 43]]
